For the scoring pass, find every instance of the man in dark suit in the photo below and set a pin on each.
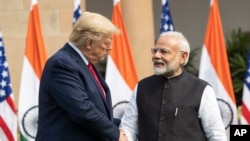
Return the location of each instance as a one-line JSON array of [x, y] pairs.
[[74, 100]]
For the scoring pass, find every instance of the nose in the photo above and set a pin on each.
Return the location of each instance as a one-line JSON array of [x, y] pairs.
[[157, 54], [109, 47]]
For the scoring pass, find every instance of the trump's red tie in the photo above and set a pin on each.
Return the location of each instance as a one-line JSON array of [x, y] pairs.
[[90, 66]]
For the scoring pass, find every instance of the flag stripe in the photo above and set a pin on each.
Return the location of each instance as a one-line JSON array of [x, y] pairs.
[[246, 113], [35, 54], [9, 121], [121, 73], [218, 57], [121, 53], [119, 88], [6, 130], [11, 103]]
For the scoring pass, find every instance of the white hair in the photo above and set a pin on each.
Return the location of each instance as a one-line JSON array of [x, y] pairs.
[[182, 41]]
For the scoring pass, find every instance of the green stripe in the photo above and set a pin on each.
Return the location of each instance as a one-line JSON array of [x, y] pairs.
[[22, 138]]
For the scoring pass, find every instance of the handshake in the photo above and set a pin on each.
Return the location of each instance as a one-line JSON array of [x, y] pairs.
[[123, 136]]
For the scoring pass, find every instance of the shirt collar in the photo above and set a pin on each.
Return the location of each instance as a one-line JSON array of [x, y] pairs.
[[79, 52]]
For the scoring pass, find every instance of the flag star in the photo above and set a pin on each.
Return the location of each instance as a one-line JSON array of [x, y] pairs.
[[4, 74], [2, 93], [3, 83], [165, 27], [248, 80], [166, 17], [5, 64], [79, 11]]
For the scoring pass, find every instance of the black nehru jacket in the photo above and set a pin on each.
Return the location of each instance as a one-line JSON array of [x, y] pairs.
[[168, 108]]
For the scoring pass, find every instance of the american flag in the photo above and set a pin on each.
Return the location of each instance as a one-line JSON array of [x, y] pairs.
[[166, 19], [77, 10], [8, 118], [245, 112]]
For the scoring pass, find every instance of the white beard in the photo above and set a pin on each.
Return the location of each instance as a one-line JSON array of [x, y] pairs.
[[169, 69]]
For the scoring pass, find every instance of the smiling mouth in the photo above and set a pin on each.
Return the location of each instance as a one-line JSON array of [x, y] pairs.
[[158, 64]]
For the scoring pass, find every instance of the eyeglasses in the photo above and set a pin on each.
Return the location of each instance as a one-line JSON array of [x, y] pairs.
[[161, 50]]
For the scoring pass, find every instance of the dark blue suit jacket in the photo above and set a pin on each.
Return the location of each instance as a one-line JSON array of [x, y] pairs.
[[71, 106]]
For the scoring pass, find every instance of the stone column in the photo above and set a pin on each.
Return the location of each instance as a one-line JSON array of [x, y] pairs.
[[138, 19]]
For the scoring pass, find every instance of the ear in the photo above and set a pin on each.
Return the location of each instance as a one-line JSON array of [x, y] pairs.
[[184, 56], [88, 43]]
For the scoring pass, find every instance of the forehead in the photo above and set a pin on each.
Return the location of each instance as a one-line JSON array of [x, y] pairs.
[[106, 38], [169, 42]]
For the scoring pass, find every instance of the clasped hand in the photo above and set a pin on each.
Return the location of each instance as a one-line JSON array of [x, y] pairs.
[[123, 136]]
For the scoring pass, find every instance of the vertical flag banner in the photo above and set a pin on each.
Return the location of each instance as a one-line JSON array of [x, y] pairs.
[[121, 73], [214, 66], [34, 60], [77, 10], [166, 19], [8, 118], [245, 111]]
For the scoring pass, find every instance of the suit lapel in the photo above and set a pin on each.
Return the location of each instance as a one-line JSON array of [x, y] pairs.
[[84, 68], [105, 87]]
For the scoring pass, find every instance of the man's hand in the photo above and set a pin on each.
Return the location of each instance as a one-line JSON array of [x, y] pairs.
[[123, 136]]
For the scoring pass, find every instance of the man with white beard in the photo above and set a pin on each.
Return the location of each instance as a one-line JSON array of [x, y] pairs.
[[172, 104]]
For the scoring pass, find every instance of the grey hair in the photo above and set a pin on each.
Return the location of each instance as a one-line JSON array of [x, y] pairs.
[[91, 26], [182, 40]]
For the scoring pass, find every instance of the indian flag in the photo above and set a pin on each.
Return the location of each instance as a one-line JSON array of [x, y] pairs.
[[34, 60], [214, 66], [121, 74]]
